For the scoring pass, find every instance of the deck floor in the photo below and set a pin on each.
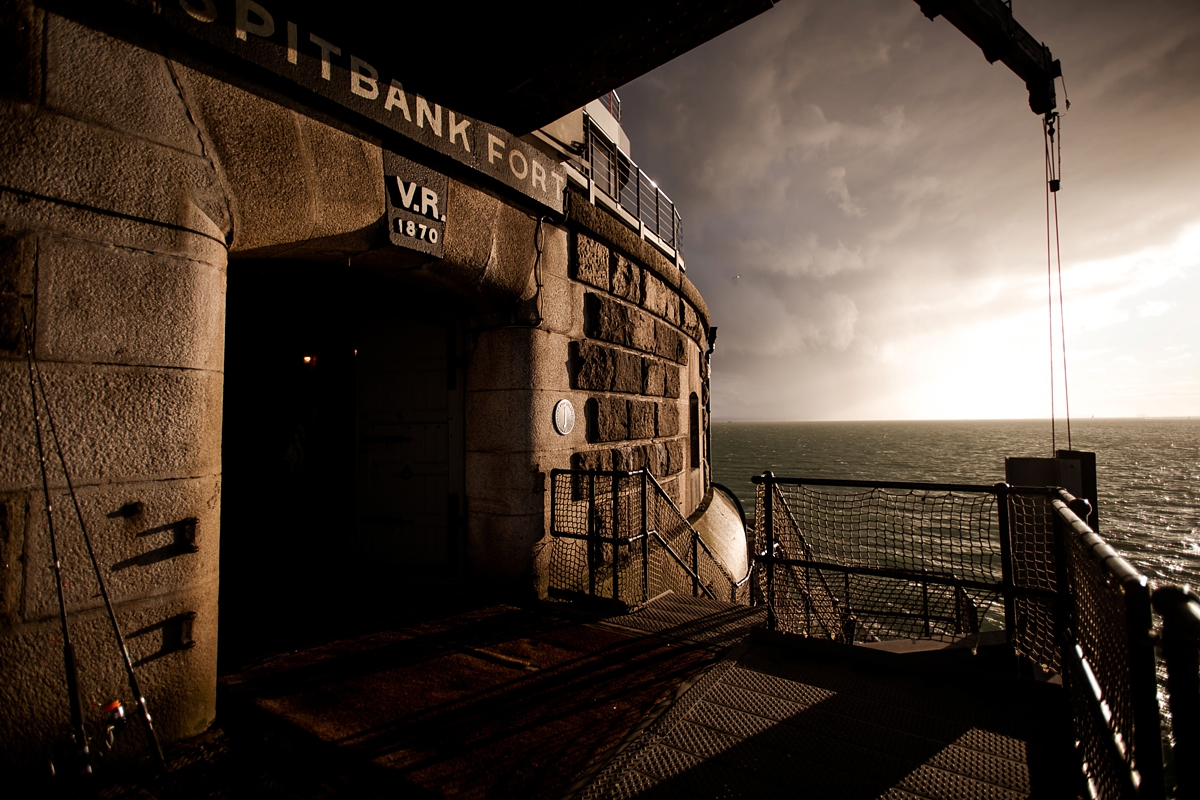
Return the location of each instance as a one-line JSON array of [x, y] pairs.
[[682, 698], [779, 718]]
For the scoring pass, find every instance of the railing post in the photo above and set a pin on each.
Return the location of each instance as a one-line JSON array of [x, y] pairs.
[[1006, 565], [638, 194], [1064, 606], [925, 603], [808, 603], [1147, 731], [616, 535], [645, 541], [553, 501], [695, 566], [592, 532], [769, 520], [1182, 656]]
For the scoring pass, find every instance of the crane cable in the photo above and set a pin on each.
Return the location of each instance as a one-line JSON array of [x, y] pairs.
[[1053, 151]]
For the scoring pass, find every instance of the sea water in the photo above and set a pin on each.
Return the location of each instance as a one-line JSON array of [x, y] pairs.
[[1148, 470]]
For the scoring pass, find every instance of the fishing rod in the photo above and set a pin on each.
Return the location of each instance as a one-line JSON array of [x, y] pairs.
[[112, 615], [74, 699]]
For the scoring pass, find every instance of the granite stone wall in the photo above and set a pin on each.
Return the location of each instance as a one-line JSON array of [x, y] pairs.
[[638, 363], [127, 183], [113, 244]]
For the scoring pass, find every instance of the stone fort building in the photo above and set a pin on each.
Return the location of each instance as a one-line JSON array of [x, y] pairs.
[[318, 303]]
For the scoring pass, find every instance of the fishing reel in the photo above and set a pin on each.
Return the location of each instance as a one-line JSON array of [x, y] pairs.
[[70, 752], [115, 722]]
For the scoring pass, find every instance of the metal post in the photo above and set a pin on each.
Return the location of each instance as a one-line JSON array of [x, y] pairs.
[[592, 532], [616, 535], [638, 193], [645, 542], [1147, 734], [808, 604], [1181, 621], [1006, 565], [925, 604], [1064, 608], [769, 556], [695, 565]]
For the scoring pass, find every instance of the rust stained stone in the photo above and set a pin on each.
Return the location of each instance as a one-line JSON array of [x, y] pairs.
[[658, 299], [626, 279], [611, 321], [595, 368], [655, 381], [612, 419], [642, 335], [627, 372], [592, 459], [668, 419], [606, 369], [641, 419], [674, 456], [668, 343], [591, 262], [671, 386], [690, 323]]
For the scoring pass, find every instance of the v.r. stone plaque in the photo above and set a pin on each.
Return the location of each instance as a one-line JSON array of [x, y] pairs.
[[416, 204]]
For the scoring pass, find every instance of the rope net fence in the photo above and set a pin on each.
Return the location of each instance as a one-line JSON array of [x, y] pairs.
[[1034, 566], [620, 536], [863, 563]]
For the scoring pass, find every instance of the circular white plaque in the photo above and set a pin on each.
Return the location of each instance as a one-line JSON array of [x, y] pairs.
[[564, 417]]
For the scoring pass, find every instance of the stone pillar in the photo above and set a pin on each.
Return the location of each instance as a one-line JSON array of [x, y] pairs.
[[113, 230], [516, 373]]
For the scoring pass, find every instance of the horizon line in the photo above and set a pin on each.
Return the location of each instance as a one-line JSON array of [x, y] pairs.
[[952, 419]]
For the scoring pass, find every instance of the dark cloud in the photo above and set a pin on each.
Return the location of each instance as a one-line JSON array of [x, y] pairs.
[[863, 205]]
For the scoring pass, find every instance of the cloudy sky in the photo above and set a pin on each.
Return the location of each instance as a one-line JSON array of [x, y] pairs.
[[864, 210]]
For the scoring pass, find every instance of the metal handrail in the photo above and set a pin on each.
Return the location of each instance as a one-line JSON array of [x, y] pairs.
[[771, 556], [618, 177], [642, 531], [1107, 655], [1143, 755], [695, 576], [698, 540], [1179, 608], [612, 103]]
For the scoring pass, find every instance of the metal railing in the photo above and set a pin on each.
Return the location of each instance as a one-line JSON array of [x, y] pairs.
[[1179, 609], [619, 536], [1107, 645], [614, 174], [612, 103], [856, 560]]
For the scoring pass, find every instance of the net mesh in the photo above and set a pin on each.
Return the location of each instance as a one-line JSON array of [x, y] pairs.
[[603, 547], [1034, 566], [923, 535], [1101, 631]]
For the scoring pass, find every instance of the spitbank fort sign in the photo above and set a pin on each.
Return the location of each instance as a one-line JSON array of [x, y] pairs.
[[265, 37]]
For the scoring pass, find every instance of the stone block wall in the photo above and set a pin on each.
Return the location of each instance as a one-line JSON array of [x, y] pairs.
[[638, 362], [113, 225]]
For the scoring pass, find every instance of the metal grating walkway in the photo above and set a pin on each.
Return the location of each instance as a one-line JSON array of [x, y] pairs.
[[696, 620], [798, 719]]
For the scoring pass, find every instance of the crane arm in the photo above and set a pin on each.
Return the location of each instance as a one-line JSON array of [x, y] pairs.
[[990, 24]]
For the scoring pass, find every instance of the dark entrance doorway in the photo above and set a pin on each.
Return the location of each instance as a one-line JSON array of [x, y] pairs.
[[342, 455]]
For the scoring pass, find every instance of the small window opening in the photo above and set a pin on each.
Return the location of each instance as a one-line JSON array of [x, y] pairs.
[[694, 429]]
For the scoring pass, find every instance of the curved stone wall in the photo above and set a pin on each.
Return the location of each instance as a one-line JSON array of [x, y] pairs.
[[113, 225], [127, 182]]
